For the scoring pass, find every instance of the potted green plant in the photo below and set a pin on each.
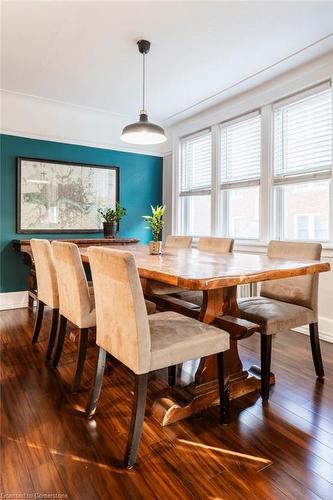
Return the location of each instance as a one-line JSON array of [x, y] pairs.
[[155, 223], [111, 217]]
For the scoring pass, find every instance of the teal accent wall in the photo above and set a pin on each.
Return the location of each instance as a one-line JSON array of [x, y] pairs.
[[140, 187]]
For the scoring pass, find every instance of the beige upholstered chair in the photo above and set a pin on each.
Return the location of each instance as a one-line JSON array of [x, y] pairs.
[[284, 304], [47, 290], [206, 244], [178, 241], [143, 343], [76, 302], [152, 287], [215, 244]]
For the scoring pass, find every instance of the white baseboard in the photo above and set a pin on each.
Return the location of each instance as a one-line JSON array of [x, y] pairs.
[[13, 300], [325, 329]]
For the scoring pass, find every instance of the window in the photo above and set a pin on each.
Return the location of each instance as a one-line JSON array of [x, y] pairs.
[[240, 176], [302, 165], [265, 175], [195, 184]]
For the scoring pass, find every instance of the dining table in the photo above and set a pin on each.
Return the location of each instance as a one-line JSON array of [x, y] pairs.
[[217, 276]]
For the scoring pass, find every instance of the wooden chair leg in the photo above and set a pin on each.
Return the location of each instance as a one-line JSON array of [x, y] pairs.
[[224, 385], [172, 375], [62, 323], [53, 333], [315, 348], [80, 359], [138, 414], [30, 301], [97, 383], [38, 320], [266, 354]]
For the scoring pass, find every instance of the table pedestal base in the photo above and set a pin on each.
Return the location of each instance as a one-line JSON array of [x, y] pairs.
[[193, 398], [202, 393]]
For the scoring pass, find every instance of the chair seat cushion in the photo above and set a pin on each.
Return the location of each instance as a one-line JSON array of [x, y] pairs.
[[274, 316], [176, 338], [150, 306], [193, 296]]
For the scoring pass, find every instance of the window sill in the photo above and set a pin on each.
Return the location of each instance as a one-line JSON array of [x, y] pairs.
[[258, 247]]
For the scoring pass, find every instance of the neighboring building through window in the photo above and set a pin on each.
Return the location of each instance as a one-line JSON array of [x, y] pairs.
[[311, 227]]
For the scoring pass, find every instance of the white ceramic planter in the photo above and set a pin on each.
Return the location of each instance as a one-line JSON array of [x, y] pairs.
[[155, 247]]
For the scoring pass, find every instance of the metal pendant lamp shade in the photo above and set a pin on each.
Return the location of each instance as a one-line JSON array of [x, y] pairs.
[[143, 131]]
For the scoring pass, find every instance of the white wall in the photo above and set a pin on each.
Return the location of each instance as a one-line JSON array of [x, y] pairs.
[[284, 85], [29, 116], [167, 194]]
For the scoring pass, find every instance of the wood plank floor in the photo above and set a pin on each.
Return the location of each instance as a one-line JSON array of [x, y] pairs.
[[283, 450]]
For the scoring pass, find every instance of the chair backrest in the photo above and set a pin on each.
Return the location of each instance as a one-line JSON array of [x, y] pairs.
[[74, 297], [299, 290], [178, 241], [214, 244], [122, 326], [45, 272]]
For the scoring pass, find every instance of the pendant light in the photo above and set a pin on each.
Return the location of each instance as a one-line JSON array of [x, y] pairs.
[[143, 131]]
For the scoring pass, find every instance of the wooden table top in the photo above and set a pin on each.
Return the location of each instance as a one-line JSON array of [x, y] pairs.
[[197, 270]]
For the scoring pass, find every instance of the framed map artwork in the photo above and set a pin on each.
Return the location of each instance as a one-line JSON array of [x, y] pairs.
[[63, 197]]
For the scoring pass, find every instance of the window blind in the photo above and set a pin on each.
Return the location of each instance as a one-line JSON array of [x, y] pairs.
[[240, 149], [303, 135], [195, 172]]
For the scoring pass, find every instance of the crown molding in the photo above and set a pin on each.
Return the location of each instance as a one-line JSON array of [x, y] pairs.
[[67, 104], [89, 144], [44, 119]]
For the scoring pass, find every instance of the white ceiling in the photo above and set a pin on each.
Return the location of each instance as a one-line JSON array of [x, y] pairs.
[[84, 53]]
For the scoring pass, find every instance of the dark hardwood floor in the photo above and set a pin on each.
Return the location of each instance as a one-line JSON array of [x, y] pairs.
[[282, 450]]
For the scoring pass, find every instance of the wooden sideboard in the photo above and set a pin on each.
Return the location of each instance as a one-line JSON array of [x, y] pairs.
[[23, 246]]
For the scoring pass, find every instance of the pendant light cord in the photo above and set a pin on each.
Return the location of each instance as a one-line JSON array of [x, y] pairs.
[[144, 83]]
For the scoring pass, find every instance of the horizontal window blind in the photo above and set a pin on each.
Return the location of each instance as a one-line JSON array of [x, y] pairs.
[[240, 150], [196, 161], [303, 135]]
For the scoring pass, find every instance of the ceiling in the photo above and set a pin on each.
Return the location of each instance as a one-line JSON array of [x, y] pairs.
[[84, 53]]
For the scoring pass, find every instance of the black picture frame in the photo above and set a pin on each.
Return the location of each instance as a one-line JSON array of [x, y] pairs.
[[20, 230]]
